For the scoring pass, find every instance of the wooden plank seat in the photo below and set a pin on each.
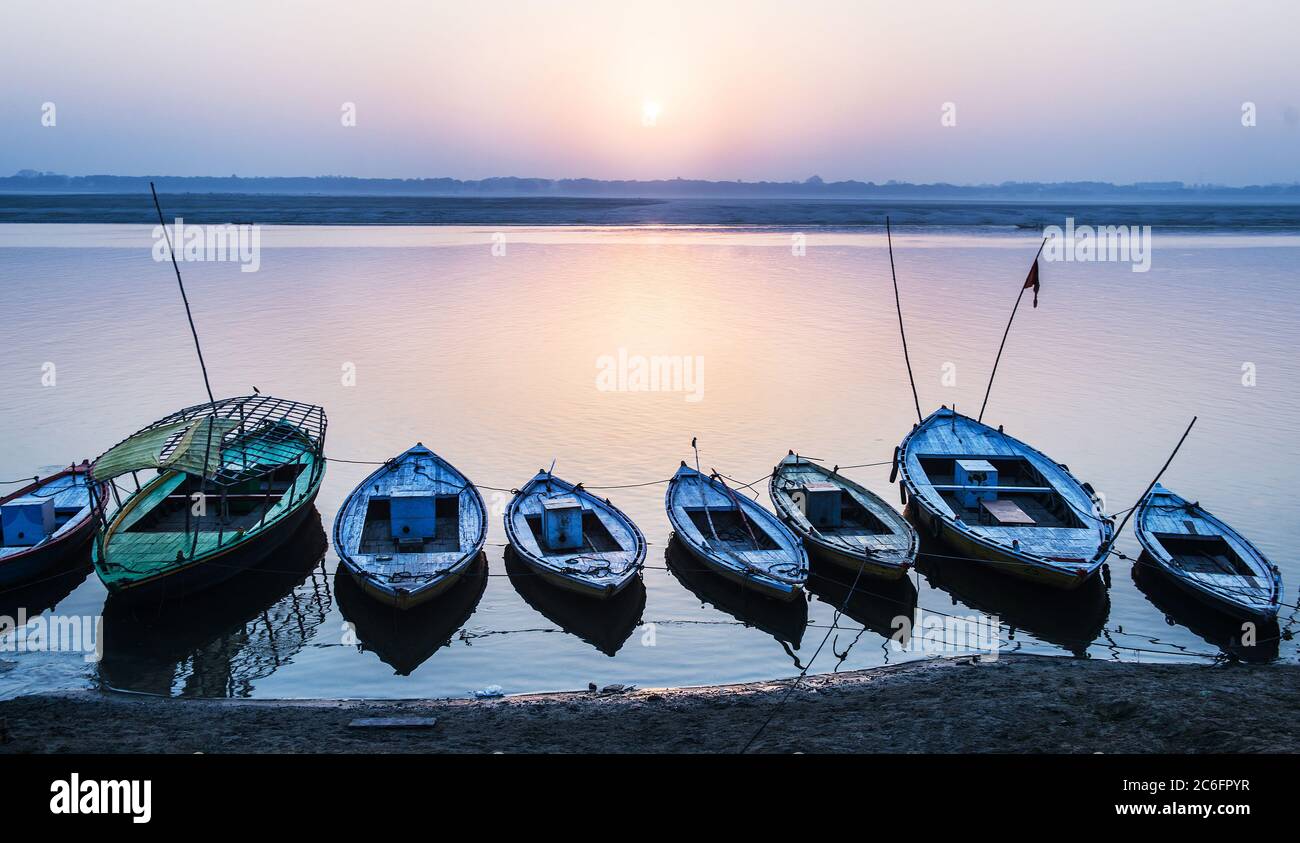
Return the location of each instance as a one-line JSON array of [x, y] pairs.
[[1006, 513]]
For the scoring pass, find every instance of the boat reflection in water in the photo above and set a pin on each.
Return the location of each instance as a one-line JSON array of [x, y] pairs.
[[604, 624], [47, 592], [220, 642], [1071, 620], [404, 639], [783, 620], [874, 603], [1220, 630]]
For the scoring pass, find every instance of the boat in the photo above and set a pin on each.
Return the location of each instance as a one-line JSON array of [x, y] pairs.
[[573, 539], [406, 639], [1206, 557], [605, 624], [410, 529], [841, 521], [47, 521], [1001, 503], [235, 479], [735, 537]]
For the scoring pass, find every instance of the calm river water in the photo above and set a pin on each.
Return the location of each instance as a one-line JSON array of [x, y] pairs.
[[488, 346]]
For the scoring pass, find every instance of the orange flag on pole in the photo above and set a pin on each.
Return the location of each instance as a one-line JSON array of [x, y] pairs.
[[1032, 281]]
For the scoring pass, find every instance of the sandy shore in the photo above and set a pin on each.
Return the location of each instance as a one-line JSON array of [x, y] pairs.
[[1017, 704]]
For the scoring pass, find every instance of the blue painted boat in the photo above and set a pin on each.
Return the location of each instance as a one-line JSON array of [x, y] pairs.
[[841, 521], [1206, 557], [66, 507], [734, 536], [1001, 503], [573, 539], [410, 529]]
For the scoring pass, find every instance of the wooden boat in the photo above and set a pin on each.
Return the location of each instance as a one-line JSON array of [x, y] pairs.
[[236, 478], [1206, 557], [605, 624], [999, 502], [734, 536], [406, 639], [841, 521], [573, 539], [45, 522], [410, 529]]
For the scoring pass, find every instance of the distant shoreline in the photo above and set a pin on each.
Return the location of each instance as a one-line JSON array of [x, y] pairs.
[[813, 188], [1018, 703], [814, 212]]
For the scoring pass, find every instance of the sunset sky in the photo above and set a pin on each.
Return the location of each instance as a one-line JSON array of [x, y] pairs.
[[1116, 91]]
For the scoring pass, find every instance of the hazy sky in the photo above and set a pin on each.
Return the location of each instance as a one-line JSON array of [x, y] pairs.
[[1116, 91]]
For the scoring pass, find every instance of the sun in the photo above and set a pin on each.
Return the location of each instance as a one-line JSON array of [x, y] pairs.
[[650, 111]]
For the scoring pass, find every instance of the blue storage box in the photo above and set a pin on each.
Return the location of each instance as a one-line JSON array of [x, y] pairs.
[[976, 473], [27, 521], [822, 504], [562, 523], [413, 516]]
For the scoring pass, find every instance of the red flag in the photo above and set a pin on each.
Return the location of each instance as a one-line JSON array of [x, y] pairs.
[[1032, 281]]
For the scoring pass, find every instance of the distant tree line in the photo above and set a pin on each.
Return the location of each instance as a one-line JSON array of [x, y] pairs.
[[32, 181]]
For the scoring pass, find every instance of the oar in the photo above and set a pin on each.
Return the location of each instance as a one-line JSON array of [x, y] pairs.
[[740, 509]]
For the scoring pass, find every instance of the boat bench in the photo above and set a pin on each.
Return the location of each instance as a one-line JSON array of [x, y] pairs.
[[1006, 513]]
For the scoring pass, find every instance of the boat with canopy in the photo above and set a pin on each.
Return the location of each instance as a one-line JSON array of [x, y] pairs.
[[234, 479]]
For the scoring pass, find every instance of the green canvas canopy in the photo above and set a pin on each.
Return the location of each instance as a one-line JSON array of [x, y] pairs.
[[196, 449]]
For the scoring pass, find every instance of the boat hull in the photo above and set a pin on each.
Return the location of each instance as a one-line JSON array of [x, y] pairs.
[[1209, 600], [853, 562], [784, 593], [401, 598], [41, 561], [573, 585], [981, 553], [221, 565]]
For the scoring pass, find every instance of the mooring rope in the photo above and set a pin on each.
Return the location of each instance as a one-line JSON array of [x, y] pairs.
[[804, 672]]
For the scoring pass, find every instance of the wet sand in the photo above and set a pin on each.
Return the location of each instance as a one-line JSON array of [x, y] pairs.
[[1016, 704]]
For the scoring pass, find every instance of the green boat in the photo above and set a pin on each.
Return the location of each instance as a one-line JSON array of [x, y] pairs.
[[234, 479]]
